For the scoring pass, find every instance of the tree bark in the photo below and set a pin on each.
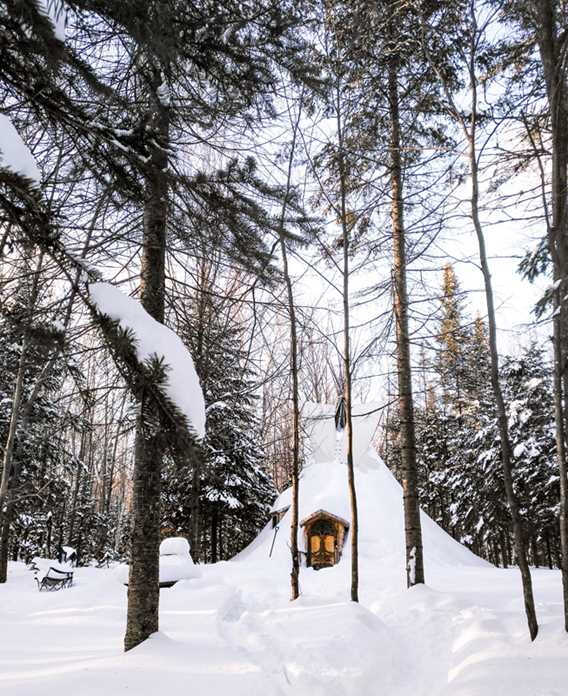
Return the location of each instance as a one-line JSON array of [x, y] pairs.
[[143, 581], [506, 452], [295, 478], [347, 386], [214, 538], [195, 513], [412, 526], [555, 80]]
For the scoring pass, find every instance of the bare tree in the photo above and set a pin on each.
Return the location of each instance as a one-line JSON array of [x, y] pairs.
[[551, 40], [469, 54]]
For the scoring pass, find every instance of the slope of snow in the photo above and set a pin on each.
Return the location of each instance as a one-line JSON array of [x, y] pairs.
[[155, 339], [323, 485], [15, 154], [234, 631]]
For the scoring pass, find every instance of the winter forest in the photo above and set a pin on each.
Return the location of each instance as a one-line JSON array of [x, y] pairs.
[[284, 347]]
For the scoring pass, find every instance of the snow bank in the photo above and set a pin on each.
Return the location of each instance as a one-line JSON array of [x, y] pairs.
[[155, 339], [15, 154]]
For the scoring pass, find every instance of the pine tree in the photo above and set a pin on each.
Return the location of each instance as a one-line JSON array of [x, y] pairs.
[[452, 337], [234, 491], [531, 422]]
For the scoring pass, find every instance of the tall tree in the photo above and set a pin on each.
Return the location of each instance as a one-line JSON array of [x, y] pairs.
[[471, 50], [543, 26]]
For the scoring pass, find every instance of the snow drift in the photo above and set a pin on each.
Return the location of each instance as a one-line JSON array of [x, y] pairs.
[[323, 485]]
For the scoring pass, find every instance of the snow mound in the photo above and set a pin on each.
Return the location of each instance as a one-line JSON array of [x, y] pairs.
[[324, 486], [15, 154], [175, 546], [44, 564], [174, 568], [175, 560], [155, 339]]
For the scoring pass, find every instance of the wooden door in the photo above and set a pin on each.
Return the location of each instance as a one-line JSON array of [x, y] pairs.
[[322, 545]]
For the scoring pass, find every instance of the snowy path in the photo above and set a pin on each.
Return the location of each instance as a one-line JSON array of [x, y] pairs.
[[233, 631]]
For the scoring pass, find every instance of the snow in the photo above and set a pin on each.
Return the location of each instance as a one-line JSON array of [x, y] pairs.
[[44, 564], [15, 154], [234, 631], [174, 546], [412, 566], [155, 339], [163, 94], [533, 383], [176, 563], [174, 568]]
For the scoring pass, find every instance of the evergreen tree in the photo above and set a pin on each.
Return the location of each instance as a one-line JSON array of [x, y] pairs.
[[531, 421], [31, 455], [233, 490], [452, 338]]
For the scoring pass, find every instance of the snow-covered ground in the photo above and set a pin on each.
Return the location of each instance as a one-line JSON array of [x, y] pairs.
[[234, 631]]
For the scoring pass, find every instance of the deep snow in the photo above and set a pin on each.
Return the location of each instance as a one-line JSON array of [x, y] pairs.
[[234, 631]]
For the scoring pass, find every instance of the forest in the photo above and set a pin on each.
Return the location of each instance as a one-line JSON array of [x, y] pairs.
[[217, 218]]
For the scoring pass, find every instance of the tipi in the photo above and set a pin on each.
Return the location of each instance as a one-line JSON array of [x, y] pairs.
[[324, 509]]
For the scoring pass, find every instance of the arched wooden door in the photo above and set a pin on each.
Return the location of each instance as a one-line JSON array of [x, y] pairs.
[[322, 543]]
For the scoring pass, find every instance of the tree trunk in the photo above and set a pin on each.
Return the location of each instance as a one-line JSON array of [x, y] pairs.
[[548, 551], [555, 80], [195, 514], [506, 453], [214, 538], [143, 581], [26, 410], [347, 387], [295, 478], [412, 526]]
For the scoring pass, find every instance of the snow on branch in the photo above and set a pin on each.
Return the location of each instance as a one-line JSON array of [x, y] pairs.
[[56, 12], [153, 339], [15, 154]]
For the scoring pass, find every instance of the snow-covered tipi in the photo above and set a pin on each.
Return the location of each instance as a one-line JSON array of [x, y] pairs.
[[324, 509]]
